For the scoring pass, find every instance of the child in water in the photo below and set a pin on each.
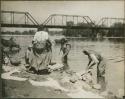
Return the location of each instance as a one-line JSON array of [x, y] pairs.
[[65, 48]]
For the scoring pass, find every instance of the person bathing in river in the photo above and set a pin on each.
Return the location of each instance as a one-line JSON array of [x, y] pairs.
[[65, 48], [97, 61], [39, 55]]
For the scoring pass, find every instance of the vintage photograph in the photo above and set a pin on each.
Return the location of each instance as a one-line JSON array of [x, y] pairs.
[[63, 49]]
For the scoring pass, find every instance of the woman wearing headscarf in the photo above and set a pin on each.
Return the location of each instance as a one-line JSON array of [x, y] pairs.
[[39, 55]]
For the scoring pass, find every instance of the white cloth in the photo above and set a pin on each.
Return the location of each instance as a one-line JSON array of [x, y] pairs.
[[41, 36]]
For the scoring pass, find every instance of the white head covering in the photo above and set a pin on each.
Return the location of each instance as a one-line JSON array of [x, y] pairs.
[[41, 36]]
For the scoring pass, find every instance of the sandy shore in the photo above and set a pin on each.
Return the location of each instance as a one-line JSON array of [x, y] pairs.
[[54, 85], [16, 89]]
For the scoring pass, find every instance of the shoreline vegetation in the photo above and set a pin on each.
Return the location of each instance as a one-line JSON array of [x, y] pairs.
[[80, 33], [55, 35]]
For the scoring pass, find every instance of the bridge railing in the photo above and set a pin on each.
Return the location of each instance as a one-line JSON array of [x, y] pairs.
[[106, 21]]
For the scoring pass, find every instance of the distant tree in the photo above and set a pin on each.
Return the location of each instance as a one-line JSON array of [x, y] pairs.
[[17, 32], [116, 32], [30, 32]]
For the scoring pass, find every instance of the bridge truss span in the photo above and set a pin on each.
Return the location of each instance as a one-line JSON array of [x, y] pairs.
[[26, 20], [17, 19], [109, 22], [68, 20]]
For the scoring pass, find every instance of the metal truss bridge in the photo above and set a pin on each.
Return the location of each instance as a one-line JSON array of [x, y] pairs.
[[26, 20]]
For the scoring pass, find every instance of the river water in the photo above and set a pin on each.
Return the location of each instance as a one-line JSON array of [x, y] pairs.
[[111, 49]]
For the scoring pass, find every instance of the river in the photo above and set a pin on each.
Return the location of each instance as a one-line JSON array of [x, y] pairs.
[[112, 49]]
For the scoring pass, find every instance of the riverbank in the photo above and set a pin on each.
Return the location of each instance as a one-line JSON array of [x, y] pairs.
[[17, 89], [17, 83]]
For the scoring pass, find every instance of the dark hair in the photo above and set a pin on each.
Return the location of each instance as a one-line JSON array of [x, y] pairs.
[[85, 52], [64, 40], [48, 45]]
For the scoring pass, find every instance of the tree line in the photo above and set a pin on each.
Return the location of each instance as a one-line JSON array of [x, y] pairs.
[[30, 32], [94, 33], [80, 32]]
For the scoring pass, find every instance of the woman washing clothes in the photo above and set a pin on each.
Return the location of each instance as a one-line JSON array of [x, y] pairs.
[[98, 65], [39, 55]]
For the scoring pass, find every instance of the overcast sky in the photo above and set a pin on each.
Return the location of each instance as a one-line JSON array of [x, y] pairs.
[[40, 10]]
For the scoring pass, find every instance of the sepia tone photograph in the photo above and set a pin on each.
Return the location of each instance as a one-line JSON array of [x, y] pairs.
[[63, 49]]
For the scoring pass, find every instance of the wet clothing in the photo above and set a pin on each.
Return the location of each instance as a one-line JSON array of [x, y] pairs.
[[97, 65], [39, 57], [98, 59]]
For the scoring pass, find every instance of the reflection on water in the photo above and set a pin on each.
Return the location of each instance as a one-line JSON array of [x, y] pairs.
[[118, 40], [111, 49], [113, 40]]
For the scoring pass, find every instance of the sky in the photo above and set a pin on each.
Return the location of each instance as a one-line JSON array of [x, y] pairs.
[[40, 10]]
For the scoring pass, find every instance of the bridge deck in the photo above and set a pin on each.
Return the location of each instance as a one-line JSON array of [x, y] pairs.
[[57, 26]]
